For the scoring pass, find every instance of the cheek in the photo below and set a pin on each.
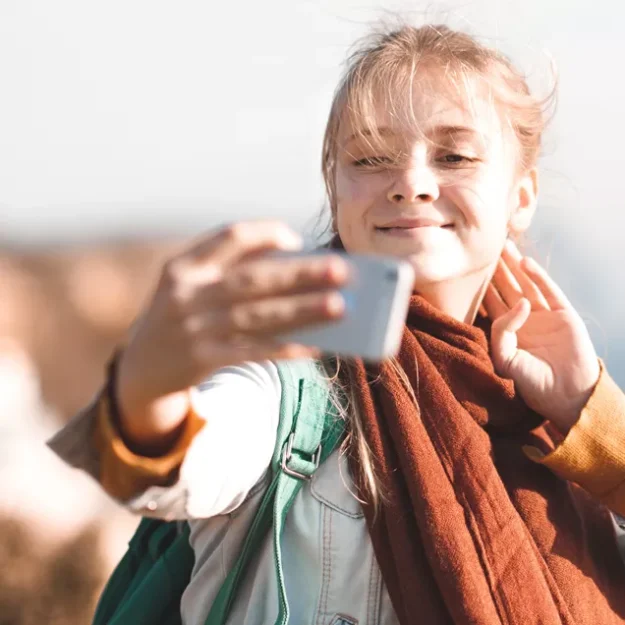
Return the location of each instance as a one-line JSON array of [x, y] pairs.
[[359, 190], [355, 197], [485, 210], [485, 204]]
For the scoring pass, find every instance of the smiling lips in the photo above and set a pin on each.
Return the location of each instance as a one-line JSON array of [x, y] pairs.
[[413, 224]]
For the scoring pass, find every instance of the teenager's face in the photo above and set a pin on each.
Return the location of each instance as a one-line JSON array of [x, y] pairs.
[[442, 191]]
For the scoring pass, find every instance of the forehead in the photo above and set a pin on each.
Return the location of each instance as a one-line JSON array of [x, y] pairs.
[[421, 111]]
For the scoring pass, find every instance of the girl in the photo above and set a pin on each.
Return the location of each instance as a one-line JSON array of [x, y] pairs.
[[480, 464]]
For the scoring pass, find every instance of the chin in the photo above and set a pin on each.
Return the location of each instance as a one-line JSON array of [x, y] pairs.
[[432, 270]]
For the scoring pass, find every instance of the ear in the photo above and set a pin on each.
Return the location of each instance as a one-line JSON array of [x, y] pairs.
[[524, 206]]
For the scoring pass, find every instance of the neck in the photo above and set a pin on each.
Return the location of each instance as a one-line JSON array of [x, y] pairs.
[[459, 298]]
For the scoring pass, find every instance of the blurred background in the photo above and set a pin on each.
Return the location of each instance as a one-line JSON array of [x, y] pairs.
[[128, 126]]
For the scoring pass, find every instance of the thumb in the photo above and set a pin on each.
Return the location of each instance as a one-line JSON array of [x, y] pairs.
[[504, 340]]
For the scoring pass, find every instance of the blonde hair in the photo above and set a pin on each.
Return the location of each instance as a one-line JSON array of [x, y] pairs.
[[382, 71]]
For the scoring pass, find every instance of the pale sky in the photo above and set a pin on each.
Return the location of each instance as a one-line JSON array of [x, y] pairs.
[[153, 116]]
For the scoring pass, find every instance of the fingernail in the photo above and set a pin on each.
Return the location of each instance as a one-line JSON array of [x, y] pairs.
[[530, 263], [337, 270], [212, 273], [335, 304], [292, 240]]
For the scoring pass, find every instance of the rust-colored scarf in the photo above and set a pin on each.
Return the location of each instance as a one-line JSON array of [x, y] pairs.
[[475, 533]]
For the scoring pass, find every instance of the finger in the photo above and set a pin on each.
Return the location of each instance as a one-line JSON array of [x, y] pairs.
[[274, 316], [271, 277], [516, 317], [222, 354], [274, 350], [494, 305], [512, 259], [506, 284], [551, 291], [211, 256], [504, 340], [512, 249], [288, 351]]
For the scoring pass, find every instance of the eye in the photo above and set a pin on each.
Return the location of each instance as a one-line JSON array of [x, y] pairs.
[[456, 159], [373, 161]]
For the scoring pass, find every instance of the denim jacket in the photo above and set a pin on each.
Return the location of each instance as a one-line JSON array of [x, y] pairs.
[[332, 576]]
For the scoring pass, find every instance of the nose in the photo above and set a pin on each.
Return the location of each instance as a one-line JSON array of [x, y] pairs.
[[414, 184]]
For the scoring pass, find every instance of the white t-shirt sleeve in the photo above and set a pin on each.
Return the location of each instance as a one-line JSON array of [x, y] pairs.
[[228, 457]]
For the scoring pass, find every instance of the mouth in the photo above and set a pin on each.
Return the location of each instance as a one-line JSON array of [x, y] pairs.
[[414, 225]]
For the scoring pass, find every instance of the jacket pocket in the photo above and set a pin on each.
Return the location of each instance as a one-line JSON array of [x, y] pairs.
[[332, 485], [339, 619]]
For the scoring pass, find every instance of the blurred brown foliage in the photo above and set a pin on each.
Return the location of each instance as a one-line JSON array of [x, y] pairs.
[[69, 307], [63, 310], [56, 588]]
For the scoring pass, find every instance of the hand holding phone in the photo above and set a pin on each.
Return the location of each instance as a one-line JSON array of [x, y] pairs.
[[376, 299]]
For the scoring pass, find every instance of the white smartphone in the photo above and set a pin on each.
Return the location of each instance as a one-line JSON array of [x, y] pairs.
[[376, 304]]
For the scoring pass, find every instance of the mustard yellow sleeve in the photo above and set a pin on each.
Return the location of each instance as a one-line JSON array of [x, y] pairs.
[[123, 473], [593, 452]]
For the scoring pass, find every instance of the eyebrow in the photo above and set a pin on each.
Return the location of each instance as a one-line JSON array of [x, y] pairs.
[[435, 131]]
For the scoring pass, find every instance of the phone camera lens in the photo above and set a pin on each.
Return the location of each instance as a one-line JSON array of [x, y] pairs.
[[391, 274]]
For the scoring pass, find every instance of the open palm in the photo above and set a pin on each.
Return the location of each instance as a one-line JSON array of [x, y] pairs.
[[539, 340]]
